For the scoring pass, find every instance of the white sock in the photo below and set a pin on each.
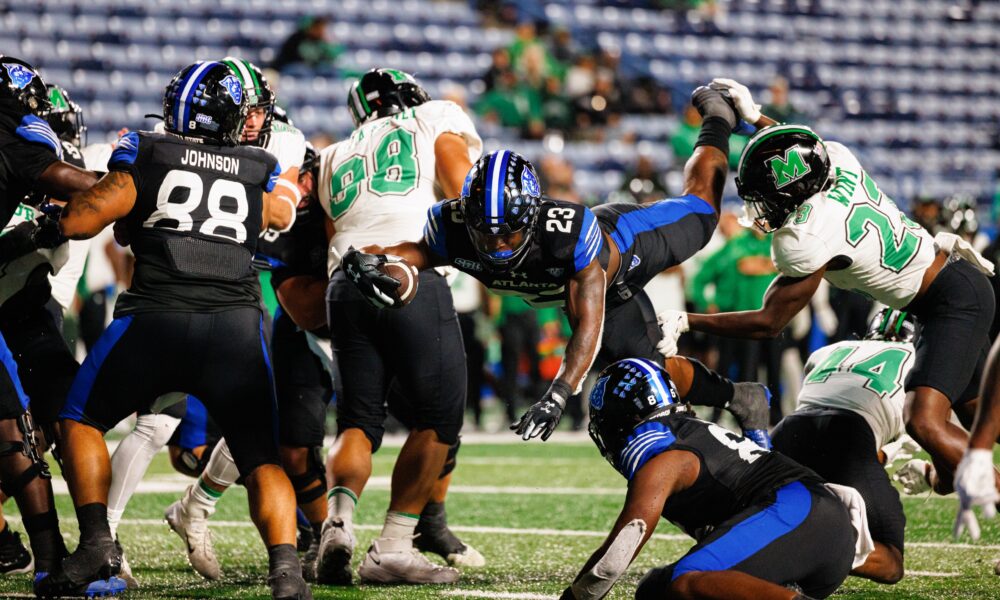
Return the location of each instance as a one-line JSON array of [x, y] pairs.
[[340, 503], [132, 458], [399, 525], [222, 471]]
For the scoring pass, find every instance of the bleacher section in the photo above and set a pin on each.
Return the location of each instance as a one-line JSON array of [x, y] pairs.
[[912, 85]]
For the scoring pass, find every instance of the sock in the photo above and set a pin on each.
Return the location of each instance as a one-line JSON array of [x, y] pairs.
[[200, 500], [93, 519], [47, 544], [399, 525], [708, 388], [340, 503], [132, 458]]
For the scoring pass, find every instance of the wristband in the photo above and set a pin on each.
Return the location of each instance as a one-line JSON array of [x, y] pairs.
[[560, 391], [715, 132]]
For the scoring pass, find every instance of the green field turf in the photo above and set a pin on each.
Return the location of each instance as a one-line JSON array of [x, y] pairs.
[[536, 511]]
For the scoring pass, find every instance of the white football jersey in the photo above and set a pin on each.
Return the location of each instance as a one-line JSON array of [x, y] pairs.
[[863, 376], [378, 184], [287, 144], [888, 253]]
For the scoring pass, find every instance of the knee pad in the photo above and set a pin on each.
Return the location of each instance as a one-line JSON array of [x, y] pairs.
[[305, 492], [156, 429], [28, 446], [451, 460]]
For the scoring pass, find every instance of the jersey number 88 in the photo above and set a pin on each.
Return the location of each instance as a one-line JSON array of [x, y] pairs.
[[221, 223]]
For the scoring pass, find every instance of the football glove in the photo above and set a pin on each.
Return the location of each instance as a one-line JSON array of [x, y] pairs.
[[672, 324], [711, 103], [748, 110], [363, 271], [543, 416], [47, 234], [902, 449], [914, 476], [976, 486]]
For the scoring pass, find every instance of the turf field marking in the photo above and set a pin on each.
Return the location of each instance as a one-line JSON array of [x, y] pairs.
[[504, 595], [931, 574]]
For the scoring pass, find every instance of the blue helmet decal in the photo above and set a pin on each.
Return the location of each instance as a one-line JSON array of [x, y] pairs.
[[468, 181], [597, 394], [529, 184], [234, 87], [20, 75]]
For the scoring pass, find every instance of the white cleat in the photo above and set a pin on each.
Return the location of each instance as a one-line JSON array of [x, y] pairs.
[[395, 560], [197, 538], [468, 558], [336, 548]]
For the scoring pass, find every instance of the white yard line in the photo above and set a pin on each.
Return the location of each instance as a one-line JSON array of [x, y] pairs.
[[931, 574], [499, 595]]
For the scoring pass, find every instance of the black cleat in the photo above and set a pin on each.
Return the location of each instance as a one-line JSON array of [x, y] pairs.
[[309, 560], [90, 572], [14, 557], [434, 535], [288, 585]]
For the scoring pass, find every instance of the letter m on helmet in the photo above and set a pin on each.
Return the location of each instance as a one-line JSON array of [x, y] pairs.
[[789, 168]]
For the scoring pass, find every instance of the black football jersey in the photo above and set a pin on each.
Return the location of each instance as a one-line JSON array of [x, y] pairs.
[[567, 238], [735, 472], [28, 146], [302, 250], [195, 223]]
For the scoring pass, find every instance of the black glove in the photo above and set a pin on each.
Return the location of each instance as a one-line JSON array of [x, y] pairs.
[[543, 416], [47, 234], [363, 271], [712, 103]]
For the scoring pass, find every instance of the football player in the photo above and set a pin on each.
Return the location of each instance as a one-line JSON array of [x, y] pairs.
[[849, 422], [762, 522], [502, 231], [31, 162], [830, 220], [406, 153], [192, 205]]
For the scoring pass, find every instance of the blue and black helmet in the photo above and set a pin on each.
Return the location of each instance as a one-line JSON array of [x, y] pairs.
[[206, 100], [501, 198], [627, 394], [21, 88], [891, 325]]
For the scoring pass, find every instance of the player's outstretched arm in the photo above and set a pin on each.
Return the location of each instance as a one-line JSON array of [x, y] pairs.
[[87, 213], [451, 157], [60, 179], [705, 172], [663, 476], [585, 309]]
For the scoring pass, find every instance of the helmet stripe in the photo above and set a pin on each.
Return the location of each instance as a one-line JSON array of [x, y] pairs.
[[494, 187], [359, 109], [184, 106], [655, 377]]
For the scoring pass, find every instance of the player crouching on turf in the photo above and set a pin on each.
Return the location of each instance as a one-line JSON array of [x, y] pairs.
[[762, 521], [850, 407]]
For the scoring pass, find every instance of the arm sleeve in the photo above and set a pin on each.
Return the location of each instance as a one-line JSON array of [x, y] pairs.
[[126, 156], [434, 230], [799, 253], [588, 245], [39, 148], [450, 118], [272, 179]]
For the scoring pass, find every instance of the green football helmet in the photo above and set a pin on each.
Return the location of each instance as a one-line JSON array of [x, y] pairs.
[[780, 168]]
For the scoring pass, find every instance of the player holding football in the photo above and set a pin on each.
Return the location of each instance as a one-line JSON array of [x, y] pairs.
[[762, 521], [191, 314], [848, 423], [406, 153], [502, 231], [830, 220]]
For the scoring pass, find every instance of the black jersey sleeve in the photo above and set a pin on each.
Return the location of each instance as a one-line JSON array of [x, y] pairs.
[[31, 149], [571, 233]]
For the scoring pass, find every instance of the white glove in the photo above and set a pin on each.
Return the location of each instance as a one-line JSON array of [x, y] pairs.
[[749, 111], [672, 323], [976, 486], [914, 476], [901, 449]]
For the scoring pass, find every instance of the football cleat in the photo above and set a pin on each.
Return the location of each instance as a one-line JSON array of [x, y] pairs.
[[396, 560], [336, 548], [287, 585], [197, 538], [309, 559], [751, 405], [14, 557], [434, 535], [90, 572], [126, 575]]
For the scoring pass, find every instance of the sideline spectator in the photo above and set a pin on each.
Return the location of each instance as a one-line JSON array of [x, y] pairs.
[[308, 47]]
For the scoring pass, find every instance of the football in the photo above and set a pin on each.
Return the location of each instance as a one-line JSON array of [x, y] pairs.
[[407, 276]]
